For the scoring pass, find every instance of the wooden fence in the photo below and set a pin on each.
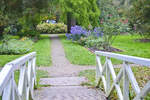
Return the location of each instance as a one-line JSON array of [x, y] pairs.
[[10, 89], [106, 71]]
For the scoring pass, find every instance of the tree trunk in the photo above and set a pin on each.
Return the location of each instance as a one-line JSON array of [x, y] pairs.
[[71, 21]]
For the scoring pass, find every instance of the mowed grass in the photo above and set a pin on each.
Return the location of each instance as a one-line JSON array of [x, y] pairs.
[[42, 47], [130, 46], [77, 54], [43, 50]]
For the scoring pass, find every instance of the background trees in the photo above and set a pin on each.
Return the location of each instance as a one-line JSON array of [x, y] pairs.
[[82, 12], [23, 14]]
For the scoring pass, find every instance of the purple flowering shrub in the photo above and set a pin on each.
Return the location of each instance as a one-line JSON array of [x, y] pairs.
[[90, 38], [76, 33]]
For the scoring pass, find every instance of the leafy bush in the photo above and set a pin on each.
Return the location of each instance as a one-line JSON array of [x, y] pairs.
[[139, 17], [52, 28], [14, 46], [27, 24], [95, 43]]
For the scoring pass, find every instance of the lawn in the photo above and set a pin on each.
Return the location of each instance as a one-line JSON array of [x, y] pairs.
[[77, 54], [130, 46], [42, 47]]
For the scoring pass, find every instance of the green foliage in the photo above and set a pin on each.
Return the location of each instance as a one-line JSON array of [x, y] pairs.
[[111, 23], [97, 43], [25, 14], [52, 28], [28, 24], [85, 11], [13, 46], [139, 16]]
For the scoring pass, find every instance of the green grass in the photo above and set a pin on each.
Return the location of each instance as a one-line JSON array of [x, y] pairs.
[[42, 47], [7, 58], [77, 54], [131, 47]]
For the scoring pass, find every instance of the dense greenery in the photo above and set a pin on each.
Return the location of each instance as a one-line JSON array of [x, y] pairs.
[[82, 12], [139, 16], [24, 15]]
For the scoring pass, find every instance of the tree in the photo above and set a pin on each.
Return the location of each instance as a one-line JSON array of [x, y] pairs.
[[25, 13], [82, 12]]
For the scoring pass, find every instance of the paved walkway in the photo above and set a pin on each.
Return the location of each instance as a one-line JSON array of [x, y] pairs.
[[64, 83]]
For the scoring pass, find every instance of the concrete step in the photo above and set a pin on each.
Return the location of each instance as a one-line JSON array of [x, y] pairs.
[[63, 81], [69, 93]]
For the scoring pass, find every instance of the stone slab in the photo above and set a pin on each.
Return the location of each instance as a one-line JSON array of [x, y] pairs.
[[63, 81], [69, 93]]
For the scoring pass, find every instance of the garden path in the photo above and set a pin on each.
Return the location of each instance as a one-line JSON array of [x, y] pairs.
[[64, 83]]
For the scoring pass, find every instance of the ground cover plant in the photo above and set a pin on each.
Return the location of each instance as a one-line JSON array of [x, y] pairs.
[[42, 47], [15, 46]]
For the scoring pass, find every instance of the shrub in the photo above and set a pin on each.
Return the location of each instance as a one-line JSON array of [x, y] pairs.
[[14, 46], [139, 17], [52, 28], [27, 24], [76, 33]]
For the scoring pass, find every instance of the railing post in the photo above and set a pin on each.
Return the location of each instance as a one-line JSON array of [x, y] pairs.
[[107, 78], [97, 70], [125, 83]]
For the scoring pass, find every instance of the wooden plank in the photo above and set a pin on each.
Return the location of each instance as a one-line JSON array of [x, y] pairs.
[[115, 85], [125, 84], [7, 91], [27, 79], [143, 92], [132, 79], [136, 60], [111, 69]]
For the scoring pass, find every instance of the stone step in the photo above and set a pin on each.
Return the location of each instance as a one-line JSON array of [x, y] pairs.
[[63, 81], [69, 93]]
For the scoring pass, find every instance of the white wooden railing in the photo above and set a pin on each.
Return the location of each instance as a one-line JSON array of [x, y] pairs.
[[24, 90], [106, 71]]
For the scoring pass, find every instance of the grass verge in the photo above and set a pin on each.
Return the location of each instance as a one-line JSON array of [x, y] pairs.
[[42, 47], [77, 54]]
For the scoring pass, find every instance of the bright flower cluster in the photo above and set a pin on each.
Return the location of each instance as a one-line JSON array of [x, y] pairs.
[[77, 32]]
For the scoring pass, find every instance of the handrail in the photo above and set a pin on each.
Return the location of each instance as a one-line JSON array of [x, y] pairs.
[[27, 79], [106, 71]]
